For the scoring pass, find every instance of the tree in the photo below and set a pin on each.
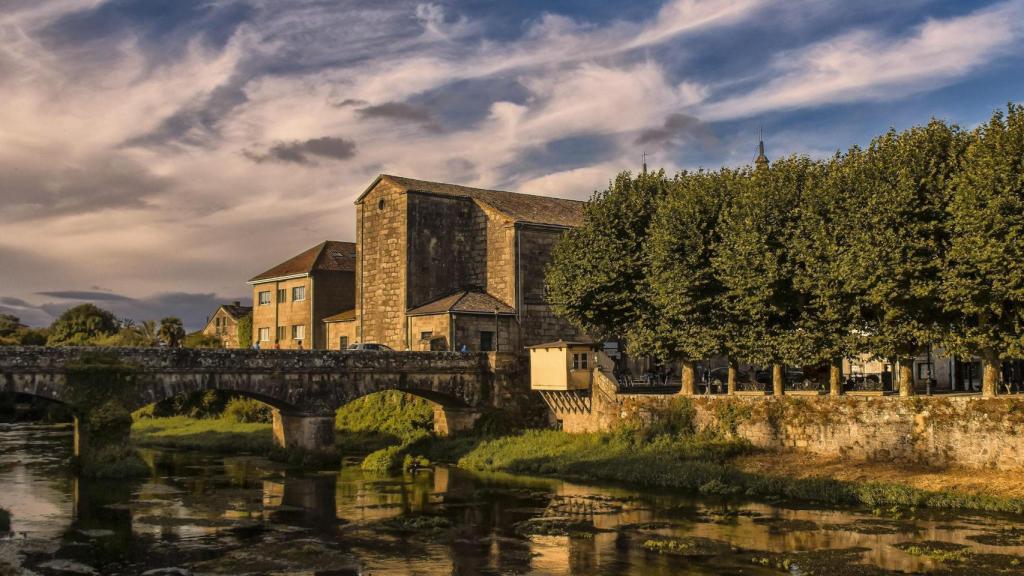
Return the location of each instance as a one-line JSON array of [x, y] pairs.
[[826, 267], [10, 325], [80, 325], [131, 335], [597, 273], [691, 323], [900, 236], [200, 340], [983, 284], [171, 331], [755, 266]]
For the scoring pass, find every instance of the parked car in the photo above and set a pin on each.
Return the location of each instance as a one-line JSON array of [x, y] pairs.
[[369, 347]]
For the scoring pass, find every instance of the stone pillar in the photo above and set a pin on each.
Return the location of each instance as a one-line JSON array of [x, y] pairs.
[[314, 432], [453, 419], [778, 380]]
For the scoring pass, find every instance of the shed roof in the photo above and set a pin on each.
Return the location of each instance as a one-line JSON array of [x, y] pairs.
[[526, 208], [466, 302], [330, 256], [343, 316], [563, 344]]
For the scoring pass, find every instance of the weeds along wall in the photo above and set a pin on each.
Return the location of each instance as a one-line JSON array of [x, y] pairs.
[[966, 431]]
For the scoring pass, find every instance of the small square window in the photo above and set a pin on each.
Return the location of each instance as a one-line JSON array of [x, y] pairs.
[[264, 298], [426, 335], [486, 341], [298, 293], [264, 335], [579, 361]]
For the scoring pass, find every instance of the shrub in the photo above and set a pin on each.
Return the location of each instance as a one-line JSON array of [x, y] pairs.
[[247, 410], [384, 460], [390, 412]]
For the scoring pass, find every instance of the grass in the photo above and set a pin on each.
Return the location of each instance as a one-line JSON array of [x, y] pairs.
[[207, 434], [696, 463]]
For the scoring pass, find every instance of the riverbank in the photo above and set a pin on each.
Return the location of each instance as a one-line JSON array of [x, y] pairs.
[[725, 468]]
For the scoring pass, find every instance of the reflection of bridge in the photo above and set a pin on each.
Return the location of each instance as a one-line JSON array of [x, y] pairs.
[[305, 388]]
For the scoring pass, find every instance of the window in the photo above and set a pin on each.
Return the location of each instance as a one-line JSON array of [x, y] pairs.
[[426, 335], [299, 293], [281, 333], [265, 298], [299, 332], [486, 341], [380, 204], [282, 295], [343, 343], [924, 371], [264, 335], [580, 361]]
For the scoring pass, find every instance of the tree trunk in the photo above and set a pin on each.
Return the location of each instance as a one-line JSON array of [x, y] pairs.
[[730, 384], [689, 380], [835, 377], [778, 383], [991, 368], [905, 376]]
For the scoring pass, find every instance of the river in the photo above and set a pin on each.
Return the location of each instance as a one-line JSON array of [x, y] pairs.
[[200, 513]]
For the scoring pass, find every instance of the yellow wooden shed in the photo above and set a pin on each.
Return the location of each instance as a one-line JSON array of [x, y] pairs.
[[561, 365]]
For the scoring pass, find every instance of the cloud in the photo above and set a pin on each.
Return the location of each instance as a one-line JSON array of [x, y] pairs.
[[676, 129], [307, 151], [867, 65], [401, 112], [84, 295]]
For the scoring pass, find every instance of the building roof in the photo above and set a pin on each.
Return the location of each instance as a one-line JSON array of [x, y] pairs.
[[526, 208], [563, 344], [465, 302], [236, 311], [343, 316], [327, 256]]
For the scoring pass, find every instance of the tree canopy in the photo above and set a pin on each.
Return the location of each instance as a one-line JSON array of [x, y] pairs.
[[80, 325]]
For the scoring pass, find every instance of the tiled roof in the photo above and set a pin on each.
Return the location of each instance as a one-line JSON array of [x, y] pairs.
[[237, 311], [563, 344], [343, 316], [465, 301], [325, 256], [520, 207]]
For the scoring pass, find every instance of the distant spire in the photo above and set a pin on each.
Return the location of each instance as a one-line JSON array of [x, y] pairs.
[[645, 163], [761, 161]]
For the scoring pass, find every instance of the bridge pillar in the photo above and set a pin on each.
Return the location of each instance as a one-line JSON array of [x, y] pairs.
[[304, 431], [453, 419]]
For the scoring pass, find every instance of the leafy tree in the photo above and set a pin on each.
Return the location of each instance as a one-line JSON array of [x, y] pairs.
[[826, 267], [10, 325], [900, 237], [597, 273], [984, 278], [131, 335], [81, 325], [171, 331], [755, 266], [691, 323], [245, 331]]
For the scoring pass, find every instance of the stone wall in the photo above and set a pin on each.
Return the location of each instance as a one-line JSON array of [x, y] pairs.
[[223, 326], [966, 431], [381, 265], [447, 251], [333, 292]]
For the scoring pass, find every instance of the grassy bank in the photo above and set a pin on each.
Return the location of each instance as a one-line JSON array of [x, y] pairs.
[[209, 434], [700, 465]]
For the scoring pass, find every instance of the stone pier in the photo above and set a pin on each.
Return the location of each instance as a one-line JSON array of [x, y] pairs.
[[312, 432]]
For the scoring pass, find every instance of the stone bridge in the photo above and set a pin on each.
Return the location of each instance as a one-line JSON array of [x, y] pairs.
[[305, 388]]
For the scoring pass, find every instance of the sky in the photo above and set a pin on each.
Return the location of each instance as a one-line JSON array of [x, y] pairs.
[[156, 154]]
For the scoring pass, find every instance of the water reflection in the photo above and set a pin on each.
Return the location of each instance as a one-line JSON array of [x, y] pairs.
[[247, 514]]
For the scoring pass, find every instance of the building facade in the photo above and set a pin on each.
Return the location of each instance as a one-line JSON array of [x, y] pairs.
[[291, 300], [446, 267], [224, 323]]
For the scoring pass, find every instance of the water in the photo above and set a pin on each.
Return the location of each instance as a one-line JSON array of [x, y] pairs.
[[242, 514]]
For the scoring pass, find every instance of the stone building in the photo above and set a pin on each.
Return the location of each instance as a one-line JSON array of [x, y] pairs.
[[224, 323], [441, 266], [291, 300]]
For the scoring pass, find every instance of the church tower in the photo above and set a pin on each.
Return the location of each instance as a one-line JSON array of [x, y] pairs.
[[761, 161]]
